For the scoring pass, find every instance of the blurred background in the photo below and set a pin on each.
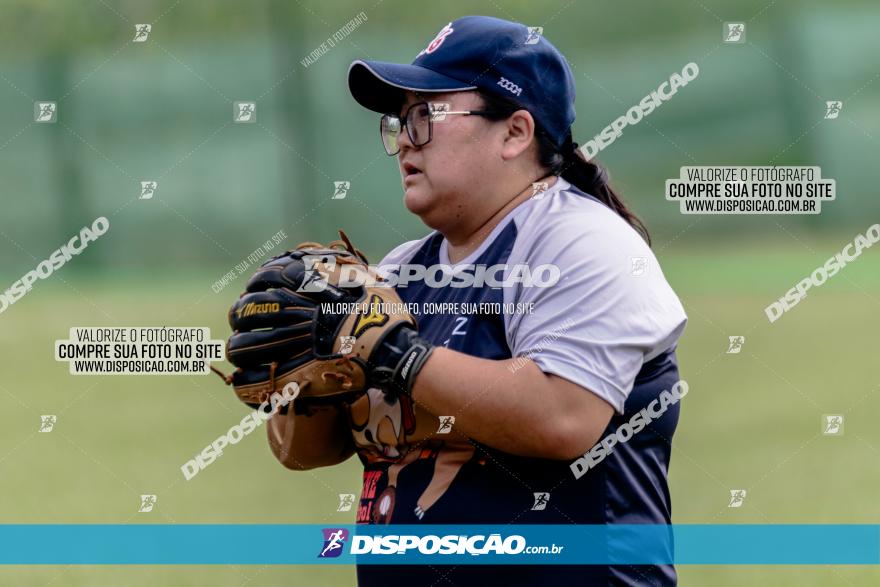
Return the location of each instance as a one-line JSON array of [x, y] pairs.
[[162, 110]]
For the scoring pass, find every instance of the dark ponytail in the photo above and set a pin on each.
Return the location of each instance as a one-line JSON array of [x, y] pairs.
[[569, 162]]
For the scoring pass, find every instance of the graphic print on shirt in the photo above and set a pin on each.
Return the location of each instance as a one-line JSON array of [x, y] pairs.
[[401, 433]]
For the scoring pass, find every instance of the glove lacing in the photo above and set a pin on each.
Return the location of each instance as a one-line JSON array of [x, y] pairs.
[[344, 245]]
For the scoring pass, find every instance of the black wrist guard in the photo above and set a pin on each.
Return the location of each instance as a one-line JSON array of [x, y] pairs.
[[398, 359]]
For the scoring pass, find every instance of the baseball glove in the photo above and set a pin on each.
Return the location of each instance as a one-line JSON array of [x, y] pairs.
[[304, 319]]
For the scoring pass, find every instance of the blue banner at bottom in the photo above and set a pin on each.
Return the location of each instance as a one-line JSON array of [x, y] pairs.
[[291, 544]]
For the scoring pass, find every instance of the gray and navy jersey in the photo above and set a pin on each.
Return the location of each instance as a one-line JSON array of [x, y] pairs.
[[609, 322]]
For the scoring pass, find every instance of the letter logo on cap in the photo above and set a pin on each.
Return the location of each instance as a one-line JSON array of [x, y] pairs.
[[438, 40]]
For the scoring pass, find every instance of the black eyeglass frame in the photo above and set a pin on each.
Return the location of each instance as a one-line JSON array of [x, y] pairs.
[[403, 122]]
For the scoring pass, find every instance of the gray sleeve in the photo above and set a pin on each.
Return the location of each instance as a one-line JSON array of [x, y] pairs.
[[603, 319]]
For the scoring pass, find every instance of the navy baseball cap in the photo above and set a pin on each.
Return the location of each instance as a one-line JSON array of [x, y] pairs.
[[499, 57]]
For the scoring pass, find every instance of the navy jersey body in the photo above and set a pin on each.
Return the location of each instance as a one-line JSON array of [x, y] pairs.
[[602, 325]]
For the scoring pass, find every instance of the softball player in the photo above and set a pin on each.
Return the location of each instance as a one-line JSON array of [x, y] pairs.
[[508, 400]]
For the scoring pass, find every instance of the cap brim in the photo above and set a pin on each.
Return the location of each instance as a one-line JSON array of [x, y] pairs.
[[379, 86]]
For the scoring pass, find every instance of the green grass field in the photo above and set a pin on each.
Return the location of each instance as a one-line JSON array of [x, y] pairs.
[[751, 420]]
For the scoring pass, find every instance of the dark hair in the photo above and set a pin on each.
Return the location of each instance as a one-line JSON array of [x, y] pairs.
[[569, 162]]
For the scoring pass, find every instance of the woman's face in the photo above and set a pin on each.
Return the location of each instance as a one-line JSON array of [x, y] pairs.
[[443, 179]]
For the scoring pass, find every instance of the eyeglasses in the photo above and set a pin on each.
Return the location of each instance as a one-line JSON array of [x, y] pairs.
[[419, 123]]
